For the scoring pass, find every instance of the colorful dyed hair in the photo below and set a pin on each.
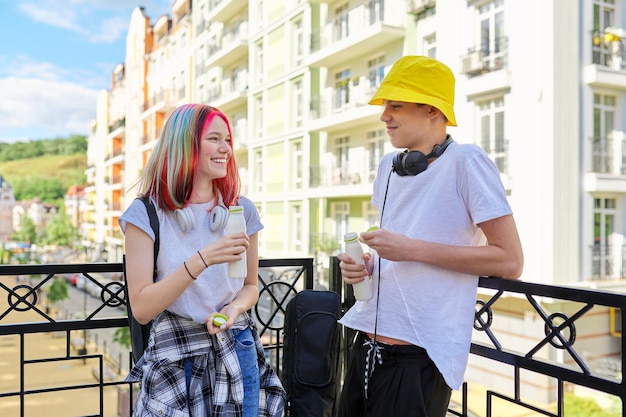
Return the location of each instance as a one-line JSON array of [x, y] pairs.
[[171, 169]]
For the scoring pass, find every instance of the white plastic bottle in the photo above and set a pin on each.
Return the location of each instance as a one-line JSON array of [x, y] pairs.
[[362, 290], [237, 223]]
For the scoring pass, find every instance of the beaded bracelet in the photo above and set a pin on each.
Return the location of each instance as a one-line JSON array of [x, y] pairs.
[[185, 264], [203, 261]]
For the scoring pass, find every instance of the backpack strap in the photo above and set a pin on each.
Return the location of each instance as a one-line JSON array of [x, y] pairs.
[[154, 223]]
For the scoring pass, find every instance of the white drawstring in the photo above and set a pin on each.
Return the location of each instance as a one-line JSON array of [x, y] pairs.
[[374, 353]]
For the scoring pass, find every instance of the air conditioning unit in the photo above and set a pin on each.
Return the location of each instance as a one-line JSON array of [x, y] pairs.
[[418, 6], [473, 63]]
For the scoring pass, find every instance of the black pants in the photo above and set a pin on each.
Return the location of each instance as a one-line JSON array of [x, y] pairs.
[[406, 384]]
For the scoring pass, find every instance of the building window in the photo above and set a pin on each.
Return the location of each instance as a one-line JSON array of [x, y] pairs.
[[340, 213], [492, 140], [603, 18], [606, 258], [259, 62], [298, 104], [297, 162], [340, 168], [430, 46], [376, 73], [214, 89], [370, 214], [342, 89], [258, 116], [341, 22], [607, 150], [258, 171], [181, 89], [492, 38], [376, 140], [296, 227], [298, 41], [376, 9]]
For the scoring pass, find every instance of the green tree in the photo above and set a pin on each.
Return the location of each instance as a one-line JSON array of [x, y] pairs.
[[58, 290], [576, 406], [74, 144], [44, 188], [27, 232], [122, 336], [60, 231]]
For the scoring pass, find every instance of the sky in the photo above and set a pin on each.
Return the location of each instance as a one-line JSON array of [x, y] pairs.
[[55, 56]]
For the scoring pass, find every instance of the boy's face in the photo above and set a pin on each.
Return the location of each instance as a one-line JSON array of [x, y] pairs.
[[407, 123]]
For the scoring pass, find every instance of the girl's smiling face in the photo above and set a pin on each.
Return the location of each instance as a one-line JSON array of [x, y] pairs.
[[215, 150]]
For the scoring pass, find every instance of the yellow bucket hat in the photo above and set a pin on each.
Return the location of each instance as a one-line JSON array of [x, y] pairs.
[[419, 79]]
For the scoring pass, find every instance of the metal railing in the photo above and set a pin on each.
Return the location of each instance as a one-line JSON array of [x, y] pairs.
[[490, 55], [607, 49], [608, 261], [560, 335], [609, 155]]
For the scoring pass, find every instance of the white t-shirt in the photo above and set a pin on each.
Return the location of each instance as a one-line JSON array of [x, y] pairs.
[[425, 305], [212, 289]]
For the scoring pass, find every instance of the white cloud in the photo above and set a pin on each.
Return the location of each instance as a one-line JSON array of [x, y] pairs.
[[54, 107], [23, 66], [41, 99], [53, 13], [100, 21], [110, 30]]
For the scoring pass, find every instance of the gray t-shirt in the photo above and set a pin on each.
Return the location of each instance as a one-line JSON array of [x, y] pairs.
[[212, 289]]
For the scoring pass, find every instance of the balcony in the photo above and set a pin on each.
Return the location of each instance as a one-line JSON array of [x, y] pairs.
[[608, 261], [225, 10], [231, 48], [368, 27], [230, 92], [608, 63], [332, 180], [608, 170], [487, 57], [568, 340], [343, 106], [116, 127]]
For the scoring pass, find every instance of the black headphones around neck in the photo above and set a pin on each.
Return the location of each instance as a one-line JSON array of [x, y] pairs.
[[414, 162]]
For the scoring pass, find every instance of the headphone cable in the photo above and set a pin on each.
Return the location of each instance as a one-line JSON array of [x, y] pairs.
[[373, 353]]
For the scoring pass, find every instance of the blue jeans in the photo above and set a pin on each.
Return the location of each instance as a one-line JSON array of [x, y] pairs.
[[248, 362]]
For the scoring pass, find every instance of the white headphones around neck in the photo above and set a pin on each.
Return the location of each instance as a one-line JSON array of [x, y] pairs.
[[218, 217]]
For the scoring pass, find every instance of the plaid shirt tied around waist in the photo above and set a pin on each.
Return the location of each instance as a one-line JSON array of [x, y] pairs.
[[216, 387]]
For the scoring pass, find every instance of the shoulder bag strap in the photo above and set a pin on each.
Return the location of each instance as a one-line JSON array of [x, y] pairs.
[[154, 223]]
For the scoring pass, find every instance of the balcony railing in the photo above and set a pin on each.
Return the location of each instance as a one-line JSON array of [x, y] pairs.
[[608, 262], [608, 49], [332, 175], [560, 342], [116, 124], [337, 99], [609, 155], [354, 21], [489, 56]]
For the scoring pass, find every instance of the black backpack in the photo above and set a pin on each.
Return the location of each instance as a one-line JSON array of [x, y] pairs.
[[311, 347], [139, 333]]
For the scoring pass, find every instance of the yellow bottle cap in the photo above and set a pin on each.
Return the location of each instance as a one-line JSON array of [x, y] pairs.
[[220, 320]]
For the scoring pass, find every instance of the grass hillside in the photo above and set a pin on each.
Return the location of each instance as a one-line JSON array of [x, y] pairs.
[[67, 170]]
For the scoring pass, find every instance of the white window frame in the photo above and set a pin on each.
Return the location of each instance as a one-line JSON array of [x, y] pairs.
[[340, 214]]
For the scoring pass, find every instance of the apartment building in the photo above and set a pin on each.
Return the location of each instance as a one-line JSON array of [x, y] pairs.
[[295, 77], [540, 87]]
